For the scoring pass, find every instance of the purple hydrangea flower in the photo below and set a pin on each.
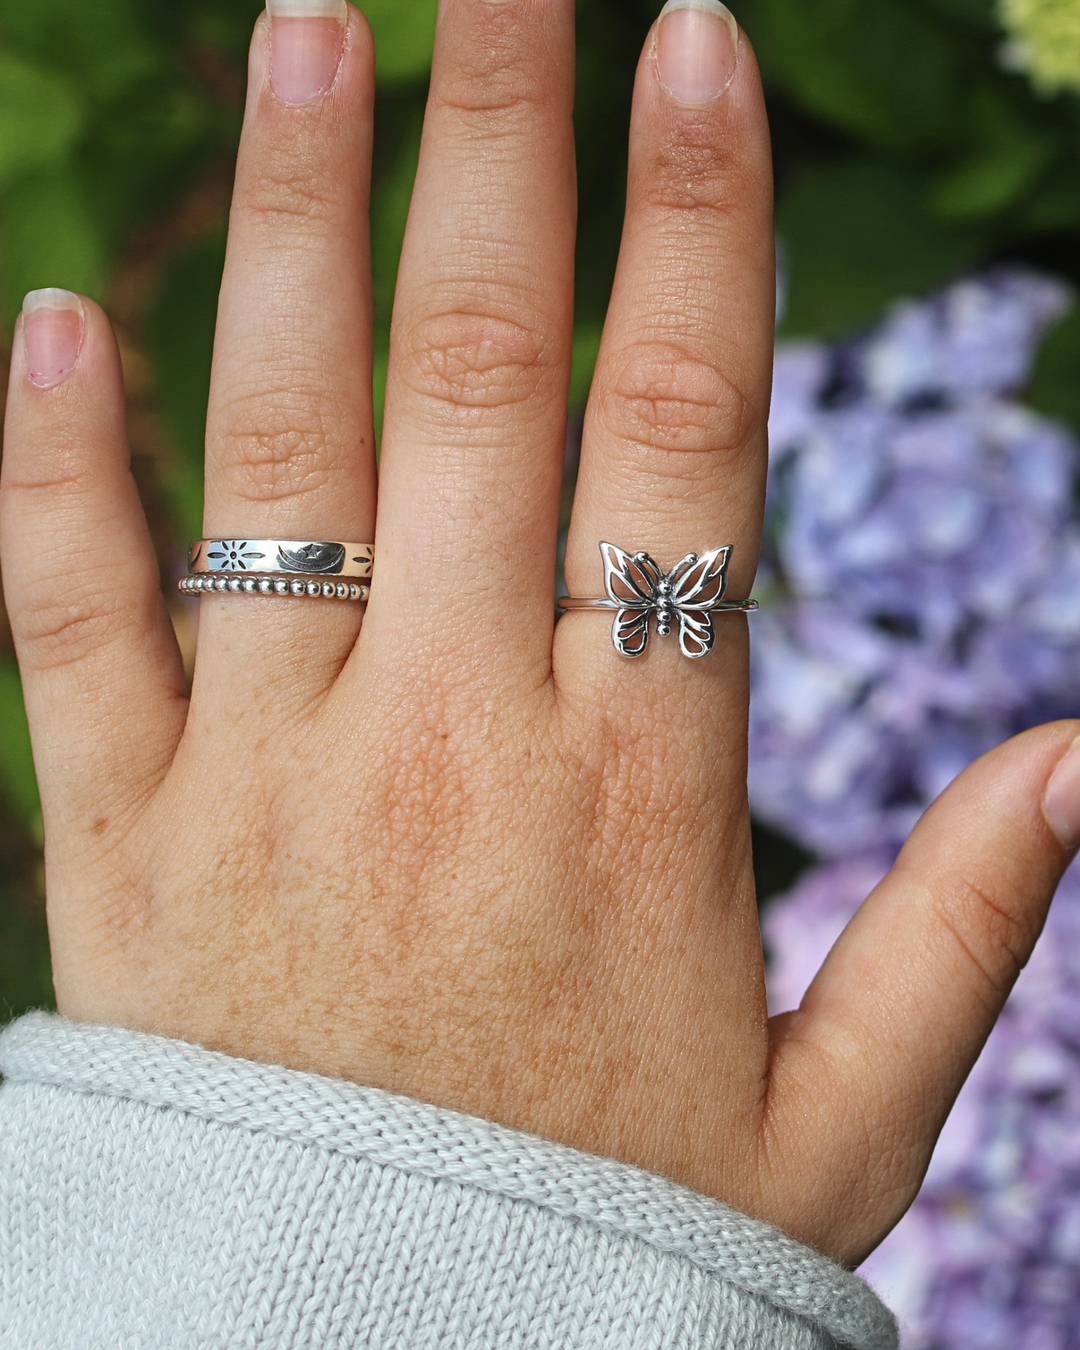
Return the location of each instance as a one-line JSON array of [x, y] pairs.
[[922, 565]]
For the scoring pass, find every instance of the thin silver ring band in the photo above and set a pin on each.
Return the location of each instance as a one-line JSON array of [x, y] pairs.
[[218, 583], [645, 598], [574, 602], [283, 557]]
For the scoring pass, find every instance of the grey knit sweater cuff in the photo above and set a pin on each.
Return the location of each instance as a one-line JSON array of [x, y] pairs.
[[155, 1194]]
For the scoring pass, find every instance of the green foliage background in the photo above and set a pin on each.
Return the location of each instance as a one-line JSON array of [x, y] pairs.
[[904, 155]]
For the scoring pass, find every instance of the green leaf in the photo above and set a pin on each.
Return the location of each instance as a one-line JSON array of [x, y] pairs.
[[181, 341], [390, 200], [978, 14], [1054, 388], [586, 349], [885, 71], [856, 235], [50, 238], [1054, 205], [105, 43], [18, 781], [25, 969], [380, 366], [1009, 153], [209, 25], [404, 36], [40, 117]]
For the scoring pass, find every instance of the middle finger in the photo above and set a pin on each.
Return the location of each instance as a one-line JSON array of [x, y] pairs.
[[474, 433]]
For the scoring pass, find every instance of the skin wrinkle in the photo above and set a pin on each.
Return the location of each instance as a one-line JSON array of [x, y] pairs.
[[997, 985], [487, 69], [476, 444], [702, 174], [486, 120], [291, 203], [272, 466], [1005, 925], [678, 475], [269, 449], [476, 361], [286, 203], [60, 484], [59, 633], [779, 1138], [513, 292], [663, 399]]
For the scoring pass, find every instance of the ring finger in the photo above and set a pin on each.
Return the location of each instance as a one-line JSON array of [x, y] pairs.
[[673, 459]]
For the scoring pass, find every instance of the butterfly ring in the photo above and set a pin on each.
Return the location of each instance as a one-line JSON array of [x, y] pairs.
[[638, 590]]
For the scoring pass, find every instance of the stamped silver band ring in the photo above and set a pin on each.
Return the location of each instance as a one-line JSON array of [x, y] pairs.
[[639, 591], [230, 584], [289, 557]]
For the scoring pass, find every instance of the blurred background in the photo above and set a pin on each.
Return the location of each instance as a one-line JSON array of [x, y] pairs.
[[922, 570]]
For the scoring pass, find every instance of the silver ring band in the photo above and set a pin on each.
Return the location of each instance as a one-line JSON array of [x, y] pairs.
[[574, 602], [207, 583], [288, 557]]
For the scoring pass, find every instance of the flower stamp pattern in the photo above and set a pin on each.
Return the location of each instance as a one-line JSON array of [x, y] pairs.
[[232, 555]]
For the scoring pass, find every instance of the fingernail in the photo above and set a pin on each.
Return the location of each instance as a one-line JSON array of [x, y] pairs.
[[1061, 805], [53, 322], [306, 40], [697, 47]]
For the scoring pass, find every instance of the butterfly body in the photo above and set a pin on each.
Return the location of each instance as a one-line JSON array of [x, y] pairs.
[[684, 596], [664, 612]]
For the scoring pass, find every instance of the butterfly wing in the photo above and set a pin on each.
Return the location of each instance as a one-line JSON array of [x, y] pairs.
[[630, 579], [696, 633], [697, 583], [630, 631], [700, 580]]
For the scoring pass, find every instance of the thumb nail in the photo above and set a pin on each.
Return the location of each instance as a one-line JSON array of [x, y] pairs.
[[1061, 804]]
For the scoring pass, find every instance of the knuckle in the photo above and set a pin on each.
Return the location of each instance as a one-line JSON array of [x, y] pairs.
[[500, 106], [996, 941], [297, 194], [280, 446], [695, 174], [56, 627], [662, 397], [475, 363], [495, 76]]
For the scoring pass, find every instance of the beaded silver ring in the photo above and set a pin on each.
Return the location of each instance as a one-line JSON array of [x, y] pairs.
[[205, 583]]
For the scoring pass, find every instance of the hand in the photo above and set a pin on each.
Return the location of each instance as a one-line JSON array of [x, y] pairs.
[[456, 852]]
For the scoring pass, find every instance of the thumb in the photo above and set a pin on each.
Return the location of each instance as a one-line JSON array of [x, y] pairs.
[[863, 1075]]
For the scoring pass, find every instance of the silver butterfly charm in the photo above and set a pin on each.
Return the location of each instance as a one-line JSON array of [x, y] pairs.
[[684, 595]]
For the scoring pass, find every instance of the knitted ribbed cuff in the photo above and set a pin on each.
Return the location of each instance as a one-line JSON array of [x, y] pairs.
[[156, 1194]]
